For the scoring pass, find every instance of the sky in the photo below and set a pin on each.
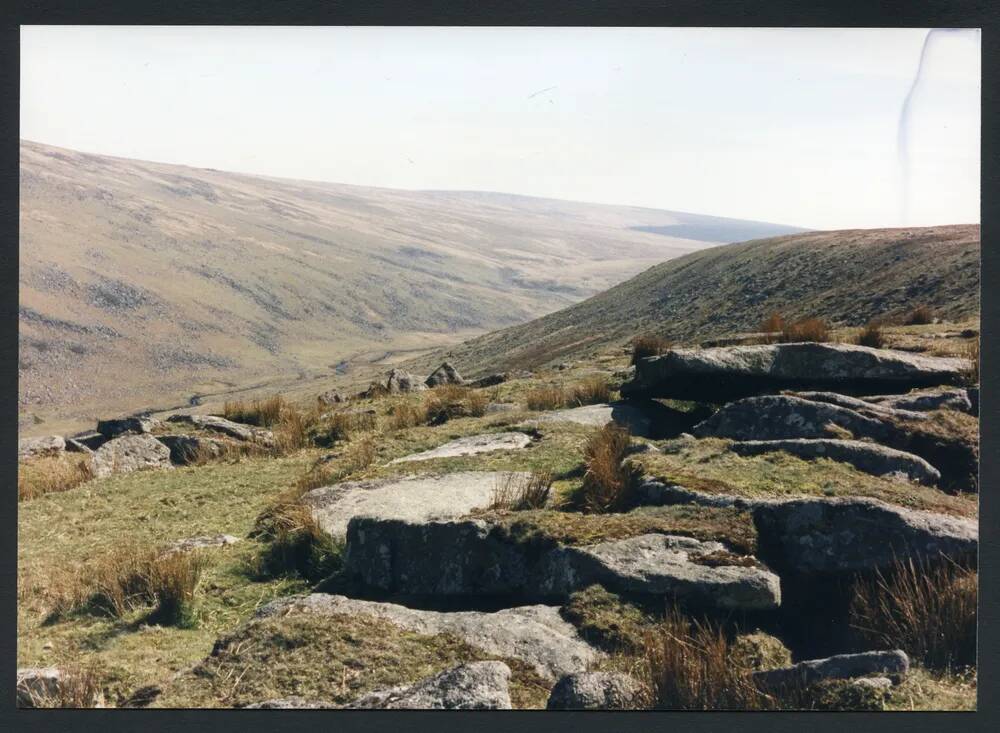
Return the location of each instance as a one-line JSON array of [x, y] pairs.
[[793, 126]]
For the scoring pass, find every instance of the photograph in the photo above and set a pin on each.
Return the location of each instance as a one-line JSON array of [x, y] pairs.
[[485, 367]]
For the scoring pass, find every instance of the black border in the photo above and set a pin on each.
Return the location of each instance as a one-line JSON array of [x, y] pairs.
[[787, 13]]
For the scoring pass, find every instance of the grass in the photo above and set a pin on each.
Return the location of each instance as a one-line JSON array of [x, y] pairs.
[[79, 687], [130, 577], [519, 491], [590, 391], [336, 427], [331, 658], [919, 316], [294, 544], [971, 354], [774, 323], [356, 457], [708, 466], [608, 484], [871, 335], [929, 611], [262, 413], [808, 329], [648, 344], [949, 441], [546, 527], [688, 665], [607, 621], [546, 397], [50, 474]]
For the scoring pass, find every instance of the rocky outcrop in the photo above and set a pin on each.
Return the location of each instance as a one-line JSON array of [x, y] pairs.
[[434, 558], [868, 457], [444, 374], [331, 397], [472, 445], [49, 445], [864, 406], [595, 691], [839, 667], [842, 535], [131, 424], [291, 703], [778, 417], [473, 686], [926, 400], [471, 558], [399, 381], [247, 433], [188, 449], [728, 373], [680, 568], [490, 380], [537, 635], [130, 453], [412, 498]]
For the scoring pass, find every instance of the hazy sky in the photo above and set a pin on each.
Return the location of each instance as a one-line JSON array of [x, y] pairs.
[[792, 126]]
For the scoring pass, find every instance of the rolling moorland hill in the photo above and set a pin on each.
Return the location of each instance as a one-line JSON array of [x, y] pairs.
[[846, 277], [144, 284]]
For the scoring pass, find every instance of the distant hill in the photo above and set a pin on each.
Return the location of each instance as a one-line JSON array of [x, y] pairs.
[[147, 283], [846, 277]]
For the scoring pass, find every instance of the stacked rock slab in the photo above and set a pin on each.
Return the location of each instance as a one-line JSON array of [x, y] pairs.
[[839, 667], [221, 425], [130, 453], [472, 558], [728, 373], [49, 445], [444, 374]]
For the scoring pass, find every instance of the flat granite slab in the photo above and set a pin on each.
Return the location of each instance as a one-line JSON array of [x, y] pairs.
[[470, 446]]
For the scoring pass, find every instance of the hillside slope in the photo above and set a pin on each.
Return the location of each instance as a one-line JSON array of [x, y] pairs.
[[145, 283], [846, 277]]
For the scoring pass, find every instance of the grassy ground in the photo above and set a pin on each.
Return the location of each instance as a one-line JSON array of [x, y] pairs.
[[707, 465]]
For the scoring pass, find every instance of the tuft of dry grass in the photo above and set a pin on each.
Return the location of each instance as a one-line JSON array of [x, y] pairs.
[[130, 577], [519, 492], [919, 316], [453, 400], [49, 474], [971, 373], [648, 344], [549, 397], [78, 687], [262, 413], [358, 456], [607, 483], [294, 543], [590, 391], [928, 610], [774, 323], [689, 665], [808, 329], [871, 335], [405, 414]]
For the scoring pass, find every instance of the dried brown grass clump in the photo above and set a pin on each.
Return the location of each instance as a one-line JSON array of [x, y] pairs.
[[451, 401], [919, 316], [648, 344], [808, 329], [688, 665], [406, 414], [335, 427], [49, 474], [295, 544], [590, 391], [971, 372], [774, 323], [871, 335], [607, 484], [928, 610], [78, 687], [130, 577], [262, 413], [519, 492], [358, 456], [549, 397]]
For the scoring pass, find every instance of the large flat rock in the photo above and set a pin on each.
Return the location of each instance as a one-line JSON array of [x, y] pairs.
[[638, 421], [839, 667], [872, 458], [49, 445], [411, 498], [537, 635], [727, 373], [471, 445], [472, 558], [679, 568], [214, 423]]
